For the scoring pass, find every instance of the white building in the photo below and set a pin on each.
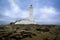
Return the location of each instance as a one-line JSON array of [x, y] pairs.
[[29, 20]]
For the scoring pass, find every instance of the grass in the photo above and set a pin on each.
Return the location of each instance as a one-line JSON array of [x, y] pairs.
[[52, 34]]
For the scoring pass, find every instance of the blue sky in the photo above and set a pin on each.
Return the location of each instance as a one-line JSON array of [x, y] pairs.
[[45, 11]]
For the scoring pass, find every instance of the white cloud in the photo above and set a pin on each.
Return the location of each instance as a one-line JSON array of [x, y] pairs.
[[47, 10], [24, 14], [7, 13], [14, 6], [16, 11], [44, 14]]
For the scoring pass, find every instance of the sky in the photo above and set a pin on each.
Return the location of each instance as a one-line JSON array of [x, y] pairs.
[[45, 11]]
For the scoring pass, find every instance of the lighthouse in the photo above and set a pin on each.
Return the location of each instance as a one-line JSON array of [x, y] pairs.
[[29, 19], [31, 13]]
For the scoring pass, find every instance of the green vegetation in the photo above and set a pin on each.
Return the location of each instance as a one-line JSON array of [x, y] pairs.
[[30, 32]]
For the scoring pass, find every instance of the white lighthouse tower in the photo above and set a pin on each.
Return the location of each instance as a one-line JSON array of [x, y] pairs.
[[31, 13], [29, 20]]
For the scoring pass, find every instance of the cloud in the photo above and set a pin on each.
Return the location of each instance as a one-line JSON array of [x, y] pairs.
[[15, 12], [46, 15], [47, 10], [14, 7], [43, 14]]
